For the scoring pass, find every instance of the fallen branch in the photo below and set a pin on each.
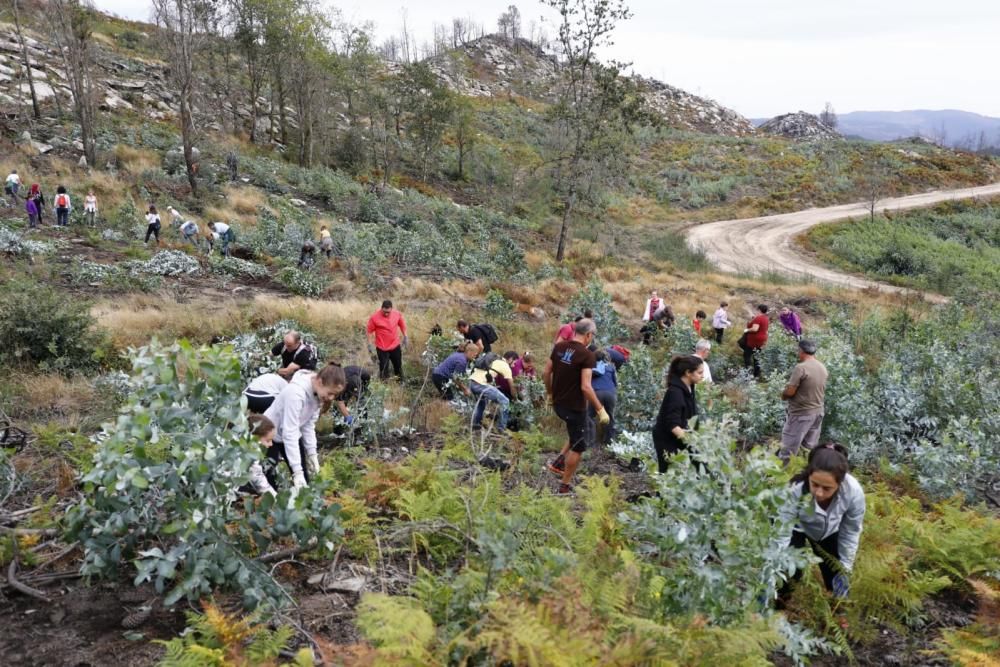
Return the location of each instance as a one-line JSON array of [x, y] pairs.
[[284, 553], [12, 577], [44, 532]]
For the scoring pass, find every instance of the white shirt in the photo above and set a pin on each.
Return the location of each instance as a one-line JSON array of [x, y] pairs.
[[270, 384], [90, 203], [14, 178], [175, 216], [707, 372], [294, 413], [721, 319], [152, 218], [221, 228]]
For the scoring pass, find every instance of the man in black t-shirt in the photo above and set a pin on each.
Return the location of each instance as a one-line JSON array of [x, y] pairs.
[[295, 355], [476, 334], [567, 378], [357, 386]]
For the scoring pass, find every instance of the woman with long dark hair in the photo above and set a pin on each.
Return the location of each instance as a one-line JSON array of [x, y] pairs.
[[679, 405], [832, 523]]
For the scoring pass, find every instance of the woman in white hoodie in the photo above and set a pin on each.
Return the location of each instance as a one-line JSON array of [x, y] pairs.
[[294, 413]]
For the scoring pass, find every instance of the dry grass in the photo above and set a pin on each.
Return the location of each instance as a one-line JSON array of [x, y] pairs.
[[136, 160], [37, 395]]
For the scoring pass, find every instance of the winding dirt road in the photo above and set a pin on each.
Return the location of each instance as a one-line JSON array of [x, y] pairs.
[[754, 245]]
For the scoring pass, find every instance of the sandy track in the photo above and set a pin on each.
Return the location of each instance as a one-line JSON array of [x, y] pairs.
[[753, 245]]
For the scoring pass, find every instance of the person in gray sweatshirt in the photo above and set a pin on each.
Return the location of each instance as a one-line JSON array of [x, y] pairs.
[[832, 520]]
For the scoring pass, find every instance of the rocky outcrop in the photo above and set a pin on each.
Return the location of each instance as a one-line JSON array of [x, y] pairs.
[[799, 125], [494, 66]]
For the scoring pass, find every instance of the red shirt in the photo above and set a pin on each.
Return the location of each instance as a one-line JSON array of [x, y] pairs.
[[758, 338], [697, 325], [567, 330], [384, 327]]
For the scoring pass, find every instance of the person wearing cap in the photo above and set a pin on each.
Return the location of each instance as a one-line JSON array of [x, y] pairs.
[[805, 393]]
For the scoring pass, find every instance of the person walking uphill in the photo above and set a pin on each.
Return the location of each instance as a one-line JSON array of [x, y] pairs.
[[720, 321], [63, 206], [755, 338], [567, 376], [832, 523], [31, 208], [294, 413], [805, 393], [384, 329], [12, 184], [679, 405], [152, 225], [35, 193]]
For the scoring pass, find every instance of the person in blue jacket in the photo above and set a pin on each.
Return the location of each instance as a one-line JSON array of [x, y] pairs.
[[449, 373], [605, 384]]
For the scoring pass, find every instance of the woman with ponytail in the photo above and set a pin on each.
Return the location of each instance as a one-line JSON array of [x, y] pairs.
[[294, 413], [832, 523], [679, 405]]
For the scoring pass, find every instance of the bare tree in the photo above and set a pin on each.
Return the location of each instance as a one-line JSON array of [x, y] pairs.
[[179, 18], [875, 183], [828, 116], [72, 22], [509, 24], [27, 61]]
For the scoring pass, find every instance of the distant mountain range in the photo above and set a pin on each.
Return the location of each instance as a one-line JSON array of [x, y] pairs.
[[962, 129]]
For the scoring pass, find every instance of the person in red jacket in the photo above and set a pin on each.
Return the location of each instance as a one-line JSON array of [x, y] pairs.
[[756, 338], [384, 328]]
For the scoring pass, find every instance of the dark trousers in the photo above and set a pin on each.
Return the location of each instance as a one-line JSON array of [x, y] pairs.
[[152, 230], [664, 448], [258, 403], [608, 398], [441, 382], [393, 356], [718, 335], [276, 454], [751, 356], [62, 217], [827, 549]]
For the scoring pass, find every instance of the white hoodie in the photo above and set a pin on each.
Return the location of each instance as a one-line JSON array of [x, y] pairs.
[[294, 413]]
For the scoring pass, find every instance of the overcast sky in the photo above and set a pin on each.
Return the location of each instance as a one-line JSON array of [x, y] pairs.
[[767, 57]]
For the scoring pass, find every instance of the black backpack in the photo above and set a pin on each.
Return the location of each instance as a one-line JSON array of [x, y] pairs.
[[488, 332]]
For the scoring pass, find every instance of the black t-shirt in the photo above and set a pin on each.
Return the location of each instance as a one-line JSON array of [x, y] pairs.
[[304, 356], [357, 382], [475, 334], [569, 358]]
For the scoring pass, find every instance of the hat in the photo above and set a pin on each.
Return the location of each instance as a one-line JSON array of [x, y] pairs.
[[807, 346]]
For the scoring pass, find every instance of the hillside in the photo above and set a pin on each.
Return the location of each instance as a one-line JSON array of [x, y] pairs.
[[416, 528], [950, 127]]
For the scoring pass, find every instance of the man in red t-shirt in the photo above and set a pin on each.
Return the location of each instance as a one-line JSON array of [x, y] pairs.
[[756, 332], [384, 338], [567, 378]]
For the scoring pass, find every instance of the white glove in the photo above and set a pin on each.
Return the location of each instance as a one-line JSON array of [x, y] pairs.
[[258, 480], [312, 464], [299, 480]]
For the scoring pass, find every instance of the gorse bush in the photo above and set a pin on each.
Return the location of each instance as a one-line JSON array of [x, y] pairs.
[[40, 326], [163, 491]]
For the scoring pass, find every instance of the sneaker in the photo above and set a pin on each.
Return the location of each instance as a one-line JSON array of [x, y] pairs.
[[565, 490], [556, 467]]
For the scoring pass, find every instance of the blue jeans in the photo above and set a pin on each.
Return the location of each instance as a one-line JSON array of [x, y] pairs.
[[484, 394], [62, 217]]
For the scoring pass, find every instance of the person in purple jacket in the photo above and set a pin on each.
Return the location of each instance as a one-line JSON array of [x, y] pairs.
[[32, 209], [791, 322]]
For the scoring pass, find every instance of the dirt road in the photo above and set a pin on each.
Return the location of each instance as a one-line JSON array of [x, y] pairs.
[[753, 245]]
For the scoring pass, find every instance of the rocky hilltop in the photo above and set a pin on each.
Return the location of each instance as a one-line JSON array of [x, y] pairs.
[[799, 125], [494, 66]]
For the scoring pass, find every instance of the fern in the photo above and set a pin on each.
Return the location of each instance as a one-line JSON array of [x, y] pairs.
[[216, 638], [399, 626]]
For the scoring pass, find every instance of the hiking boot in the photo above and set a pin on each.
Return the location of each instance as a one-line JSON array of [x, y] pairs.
[[565, 490]]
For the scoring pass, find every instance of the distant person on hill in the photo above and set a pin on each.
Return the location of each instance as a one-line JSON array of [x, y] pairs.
[[152, 225], [702, 349], [325, 242], [226, 236], [567, 376], [384, 329], [90, 208], [176, 219], [790, 321], [805, 393], [358, 380], [262, 391], [754, 339], [679, 406], [653, 304], [699, 317], [831, 524], [63, 206], [295, 412], [296, 355], [720, 321], [189, 232], [35, 193], [31, 208], [12, 184], [450, 373], [307, 255]]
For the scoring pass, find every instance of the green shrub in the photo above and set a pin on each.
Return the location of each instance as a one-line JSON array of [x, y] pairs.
[[303, 283], [41, 326], [497, 306]]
